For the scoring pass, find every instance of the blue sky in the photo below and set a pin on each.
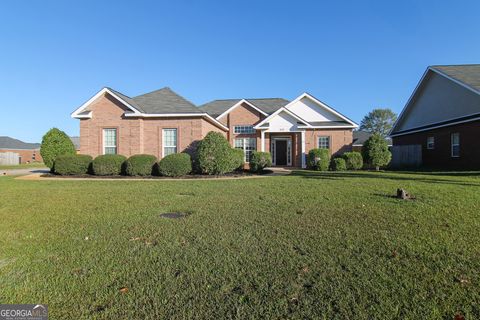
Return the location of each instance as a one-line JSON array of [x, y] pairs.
[[353, 55]]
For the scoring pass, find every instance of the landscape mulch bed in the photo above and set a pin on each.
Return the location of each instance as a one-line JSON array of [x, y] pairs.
[[238, 174]]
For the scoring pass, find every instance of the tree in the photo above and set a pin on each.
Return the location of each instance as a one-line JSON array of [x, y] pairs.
[[55, 143], [375, 151], [379, 121]]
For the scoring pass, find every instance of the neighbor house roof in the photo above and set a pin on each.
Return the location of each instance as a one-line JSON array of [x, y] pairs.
[[267, 105], [11, 143], [445, 96], [468, 74], [360, 137]]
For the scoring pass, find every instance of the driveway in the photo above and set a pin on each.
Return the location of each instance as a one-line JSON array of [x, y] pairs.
[[22, 172]]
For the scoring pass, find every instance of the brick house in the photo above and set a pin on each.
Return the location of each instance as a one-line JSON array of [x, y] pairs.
[[162, 122], [443, 117], [27, 152]]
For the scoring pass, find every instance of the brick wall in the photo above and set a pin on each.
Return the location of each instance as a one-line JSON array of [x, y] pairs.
[[440, 157], [137, 135], [26, 155]]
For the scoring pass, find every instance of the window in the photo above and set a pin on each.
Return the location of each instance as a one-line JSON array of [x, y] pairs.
[[431, 143], [247, 145], [455, 145], [243, 129], [169, 141], [324, 142], [109, 141]]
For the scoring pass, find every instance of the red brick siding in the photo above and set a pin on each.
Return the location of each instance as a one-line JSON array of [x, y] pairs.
[[26, 155], [440, 157], [136, 135]]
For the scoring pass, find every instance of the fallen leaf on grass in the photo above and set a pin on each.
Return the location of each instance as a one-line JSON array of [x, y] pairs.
[[123, 289], [135, 239], [459, 316]]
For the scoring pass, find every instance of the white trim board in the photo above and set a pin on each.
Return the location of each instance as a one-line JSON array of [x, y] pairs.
[[321, 104], [282, 109], [434, 127], [76, 113], [239, 103]]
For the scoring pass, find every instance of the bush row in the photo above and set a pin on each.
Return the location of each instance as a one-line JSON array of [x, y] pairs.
[[173, 165], [320, 160]]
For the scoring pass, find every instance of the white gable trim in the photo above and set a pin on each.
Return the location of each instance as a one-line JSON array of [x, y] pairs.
[[239, 103], [282, 109], [76, 113], [328, 127], [323, 105]]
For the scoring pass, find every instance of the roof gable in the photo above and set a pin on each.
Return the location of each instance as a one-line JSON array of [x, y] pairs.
[[282, 120], [164, 101], [220, 108], [437, 99]]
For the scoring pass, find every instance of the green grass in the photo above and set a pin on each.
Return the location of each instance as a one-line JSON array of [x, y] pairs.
[[23, 166], [312, 245]]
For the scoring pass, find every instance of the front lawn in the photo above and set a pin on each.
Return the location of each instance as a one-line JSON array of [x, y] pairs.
[[312, 245]]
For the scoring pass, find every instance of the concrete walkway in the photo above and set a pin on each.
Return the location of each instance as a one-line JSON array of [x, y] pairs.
[[23, 172]]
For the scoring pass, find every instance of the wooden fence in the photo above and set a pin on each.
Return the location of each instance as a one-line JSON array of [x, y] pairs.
[[9, 158], [407, 156]]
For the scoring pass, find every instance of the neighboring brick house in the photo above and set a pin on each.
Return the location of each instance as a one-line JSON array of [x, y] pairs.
[[443, 117], [27, 152], [162, 122]]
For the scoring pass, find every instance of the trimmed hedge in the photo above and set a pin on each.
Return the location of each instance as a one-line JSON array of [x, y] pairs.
[[237, 158], [318, 159], [338, 164], [72, 164], [175, 165], [375, 151], [108, 165], [353, 160], [55, 143], [139, 165], [259, 161], [216, 156]]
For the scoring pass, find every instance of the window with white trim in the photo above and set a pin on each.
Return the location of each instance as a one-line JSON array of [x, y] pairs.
[[324, 142], [455, 138], [110, 141], [244, 129], [169, 141], [248, 145], [431, 143]]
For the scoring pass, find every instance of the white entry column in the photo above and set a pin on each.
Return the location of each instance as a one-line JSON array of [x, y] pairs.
[[304, 165], [262, 140]]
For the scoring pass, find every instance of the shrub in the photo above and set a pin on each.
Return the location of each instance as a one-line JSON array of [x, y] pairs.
[[215, 155], [139, 165], [318, 159], [108, 165], [375, 151], [338, 164], [259, 161], [55, 143], [353, 160], [175, 165], [237, 159], [72, 164]]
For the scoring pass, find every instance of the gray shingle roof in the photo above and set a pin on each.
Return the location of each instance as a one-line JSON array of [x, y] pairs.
[[267, 105], [160, 101], [468, 74], [10, 143], [360, 137]]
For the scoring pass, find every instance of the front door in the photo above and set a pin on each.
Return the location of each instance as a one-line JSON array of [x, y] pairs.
[[281, 152]]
